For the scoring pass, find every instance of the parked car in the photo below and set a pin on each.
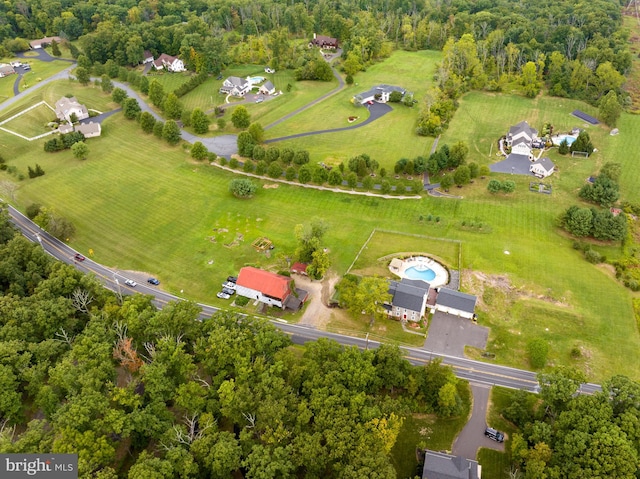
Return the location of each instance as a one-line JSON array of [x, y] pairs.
[[228, 291], [78, 257], [26, 67], [153, 281], [493, 434], [259, 100], [232, 279], [229, 285], [223, 295], [130, 282]]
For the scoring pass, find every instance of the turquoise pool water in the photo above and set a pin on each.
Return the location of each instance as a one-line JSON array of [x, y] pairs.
[[558, 139], [256, 79], [420, 272]]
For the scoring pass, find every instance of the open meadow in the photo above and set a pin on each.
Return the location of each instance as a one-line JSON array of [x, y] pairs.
[[144, 206]]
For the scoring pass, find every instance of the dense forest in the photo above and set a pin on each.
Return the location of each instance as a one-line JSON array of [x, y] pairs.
[[578, 48], [143, 393]]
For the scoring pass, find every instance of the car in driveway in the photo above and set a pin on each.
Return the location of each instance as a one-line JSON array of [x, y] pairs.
[[223, 295], [229, 285], [259, 100], [494, 434], [78, 257], [232, 279], [229, 291], [153, 281], [130, 282]]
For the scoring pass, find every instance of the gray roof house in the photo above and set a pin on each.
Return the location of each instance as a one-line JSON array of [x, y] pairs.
[[382, 90], [542, 167], [89, 130], [520, 138], [438, 465], [409, 299], [455, 303], [6, 70], [65, 107], [235, 86], [267, 88]]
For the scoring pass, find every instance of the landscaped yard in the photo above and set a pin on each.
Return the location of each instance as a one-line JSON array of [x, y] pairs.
[[175, 219]]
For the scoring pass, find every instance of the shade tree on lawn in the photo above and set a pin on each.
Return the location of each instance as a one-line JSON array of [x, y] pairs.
[[240, 117]]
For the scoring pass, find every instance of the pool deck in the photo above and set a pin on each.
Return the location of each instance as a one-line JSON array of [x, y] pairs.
[[441, 278]]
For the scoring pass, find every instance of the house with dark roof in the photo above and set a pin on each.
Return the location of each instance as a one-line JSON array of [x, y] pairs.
[[65, 107], [520, 138], [269, 288], [542, 167], [267, 88], [147, 57], [323, 42], [379, 93], [89, 130], [455, 303], [438, 465], [408, 299], [170, 63], [235, 86]]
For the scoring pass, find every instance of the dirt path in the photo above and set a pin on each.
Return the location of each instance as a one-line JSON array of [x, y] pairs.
[[317, 314]]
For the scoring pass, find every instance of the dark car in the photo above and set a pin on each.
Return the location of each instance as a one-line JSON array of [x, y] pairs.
[[494, 434], [228, 291], [79, 257], [153, 281], [232, 279]]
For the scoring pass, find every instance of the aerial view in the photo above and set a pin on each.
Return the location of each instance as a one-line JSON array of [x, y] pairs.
[[319, 239]]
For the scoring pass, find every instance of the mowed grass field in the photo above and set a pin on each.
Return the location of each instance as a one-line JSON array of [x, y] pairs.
[[32, 123], [144, 206], [389, 138], [39, 71]]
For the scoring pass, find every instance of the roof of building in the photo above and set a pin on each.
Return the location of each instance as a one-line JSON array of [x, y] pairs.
[[545, 163], [408, 294], [89, 128], [164, 58], [456, 300], [269, 284], [396, 263], [521, 139], [299, 268], [324, 40], [65, 128], [147, 54], [380, 89], [268, 86], [45, 40], [4, 68], [237, 81], [438, 465], [64, 104], [523, 126]]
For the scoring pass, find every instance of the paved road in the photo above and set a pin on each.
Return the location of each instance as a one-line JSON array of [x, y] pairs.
[[478, 372], [376, 111], [472, 437]]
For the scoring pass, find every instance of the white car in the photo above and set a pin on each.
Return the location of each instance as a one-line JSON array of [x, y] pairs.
[[130, 282], [222, 295], [229, 285]]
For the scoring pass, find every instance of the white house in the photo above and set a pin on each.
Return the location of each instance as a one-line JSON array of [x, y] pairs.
[[65, 107], [269, 70], [409, 299], [267, 88], [439, 465], [6, 70], [264, 286], [147, 57], [172, 64], [542, 167], [378, 93], [521, 138], [235, 86], [455, 303]]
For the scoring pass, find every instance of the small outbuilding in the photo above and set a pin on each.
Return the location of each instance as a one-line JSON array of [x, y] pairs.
[[299, 268], [267, 88], [542, 168]]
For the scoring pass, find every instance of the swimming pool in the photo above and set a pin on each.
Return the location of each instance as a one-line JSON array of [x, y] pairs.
[[420, 268], [255, 80], [558, 139], [418, 272]]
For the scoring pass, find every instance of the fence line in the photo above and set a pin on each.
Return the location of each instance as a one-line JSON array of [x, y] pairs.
[[24, 111], [361, 249]]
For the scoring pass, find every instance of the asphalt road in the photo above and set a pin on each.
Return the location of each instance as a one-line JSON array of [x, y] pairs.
[[475, 371]]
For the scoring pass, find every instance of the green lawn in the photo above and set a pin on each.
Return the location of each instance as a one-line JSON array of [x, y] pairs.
[[169, 81], [142, 205], [40, 71], [32, 123], [430, 432]]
